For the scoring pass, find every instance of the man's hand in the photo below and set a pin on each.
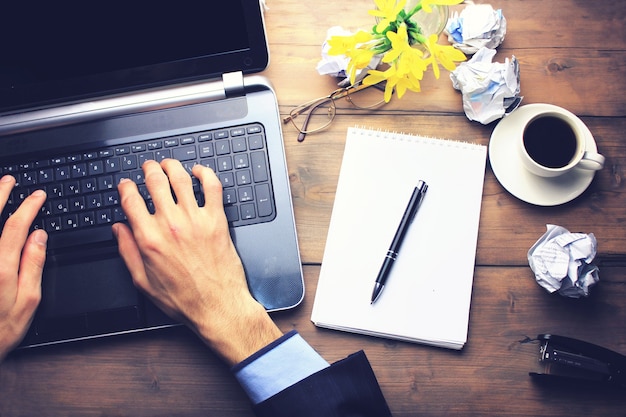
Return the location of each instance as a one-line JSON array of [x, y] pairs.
[[183, 258], [22, 257]]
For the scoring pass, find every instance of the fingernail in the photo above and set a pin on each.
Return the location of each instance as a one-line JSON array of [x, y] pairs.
[[39, 193], [40, 237], [6, 178]]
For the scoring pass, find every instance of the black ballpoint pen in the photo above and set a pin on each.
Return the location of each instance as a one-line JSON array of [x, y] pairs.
[[392, 253]]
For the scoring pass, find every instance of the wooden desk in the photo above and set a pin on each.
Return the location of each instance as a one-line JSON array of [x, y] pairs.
[[573, 54]]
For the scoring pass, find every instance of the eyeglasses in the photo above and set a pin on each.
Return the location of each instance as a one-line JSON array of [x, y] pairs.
[[319, 113]]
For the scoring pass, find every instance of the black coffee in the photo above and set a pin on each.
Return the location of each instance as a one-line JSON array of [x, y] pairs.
[[550, 141]]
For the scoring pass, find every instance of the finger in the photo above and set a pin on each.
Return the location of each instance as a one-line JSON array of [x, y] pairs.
[[158, 185], [129, 251], [30, 273], [16, 228], [7, 183], [180, 181], [132, 203], [212, 188]]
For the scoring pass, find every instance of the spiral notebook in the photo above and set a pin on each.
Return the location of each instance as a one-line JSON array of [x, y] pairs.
[[427, 295]]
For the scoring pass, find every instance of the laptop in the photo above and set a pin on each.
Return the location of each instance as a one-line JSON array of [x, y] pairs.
[[87, 94]]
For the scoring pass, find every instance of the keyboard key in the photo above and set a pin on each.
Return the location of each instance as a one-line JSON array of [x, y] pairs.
[[227, 179], [232, 213], [170, 143], [78, 170], [106, 182], [254, 129], [104, 216], [241, 161], [62, 173], [186, 140], [247, 211], [69, 221], [95, 168], [264, 200], [243, 177], [259, 167], [225, 163], [87, 219], [77, 204], [206, 150], [71, 187], [111, 198], [162, 154], [203, 137], [229, 196], [154, 145], [185, 153], [129, 162], [239, 145], [45, 176], [222, 147], [255, 142], [240, 131], [146, 156], [222, 134], [60, 206], [88, 185], [112, 165], [245, 194]]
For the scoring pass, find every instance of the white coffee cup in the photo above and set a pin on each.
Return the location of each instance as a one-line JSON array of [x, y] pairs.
[[554, 142]]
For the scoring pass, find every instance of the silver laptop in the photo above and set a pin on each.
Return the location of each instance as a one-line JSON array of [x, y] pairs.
[[89, 93]]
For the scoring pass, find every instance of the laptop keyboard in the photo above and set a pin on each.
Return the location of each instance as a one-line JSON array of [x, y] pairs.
[[82, 187]]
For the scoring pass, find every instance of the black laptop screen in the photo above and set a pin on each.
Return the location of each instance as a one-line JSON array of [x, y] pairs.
[[57, 51]]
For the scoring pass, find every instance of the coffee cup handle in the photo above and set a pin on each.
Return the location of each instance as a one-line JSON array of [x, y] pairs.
[[592, 160]]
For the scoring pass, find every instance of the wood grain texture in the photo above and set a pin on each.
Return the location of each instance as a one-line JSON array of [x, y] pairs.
[[572, 53]]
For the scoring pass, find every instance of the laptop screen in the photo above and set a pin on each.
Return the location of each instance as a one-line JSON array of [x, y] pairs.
[[70, 50]]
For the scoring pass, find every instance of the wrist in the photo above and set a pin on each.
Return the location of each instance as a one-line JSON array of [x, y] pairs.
[[241, 334]]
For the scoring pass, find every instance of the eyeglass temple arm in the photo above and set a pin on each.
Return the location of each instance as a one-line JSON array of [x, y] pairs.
[[305, 124]]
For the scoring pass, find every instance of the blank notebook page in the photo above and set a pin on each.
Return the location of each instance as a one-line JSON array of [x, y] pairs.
[[427, 295]]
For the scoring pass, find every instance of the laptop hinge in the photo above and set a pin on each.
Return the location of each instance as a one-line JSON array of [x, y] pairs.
[[233, 84]]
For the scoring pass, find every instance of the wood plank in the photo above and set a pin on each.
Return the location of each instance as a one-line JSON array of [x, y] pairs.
[[585, 81], [530, 23]]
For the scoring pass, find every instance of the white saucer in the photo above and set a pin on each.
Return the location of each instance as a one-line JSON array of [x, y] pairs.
[[516, 179]]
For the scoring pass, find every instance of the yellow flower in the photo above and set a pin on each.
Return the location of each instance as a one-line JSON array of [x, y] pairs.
[[376, 76], [413, 64], [445, 55], [427, 3], [359, 59], [399, 44], [356, 48], [340, 45], [388, 10]]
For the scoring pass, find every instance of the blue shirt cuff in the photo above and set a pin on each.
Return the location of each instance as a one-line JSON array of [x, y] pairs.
[[279, 365]]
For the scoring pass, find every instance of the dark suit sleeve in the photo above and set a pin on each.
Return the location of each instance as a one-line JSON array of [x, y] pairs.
[[347, 388]]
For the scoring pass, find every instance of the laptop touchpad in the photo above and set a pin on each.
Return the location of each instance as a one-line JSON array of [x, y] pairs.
[[85, 286]]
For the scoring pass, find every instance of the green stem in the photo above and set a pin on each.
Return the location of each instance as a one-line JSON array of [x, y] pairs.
[[421, 38], [416, 9]]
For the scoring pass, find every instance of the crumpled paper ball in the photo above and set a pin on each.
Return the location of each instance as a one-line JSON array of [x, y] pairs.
[[477, 26], [490, 89], [337, 65], [562, 262]]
